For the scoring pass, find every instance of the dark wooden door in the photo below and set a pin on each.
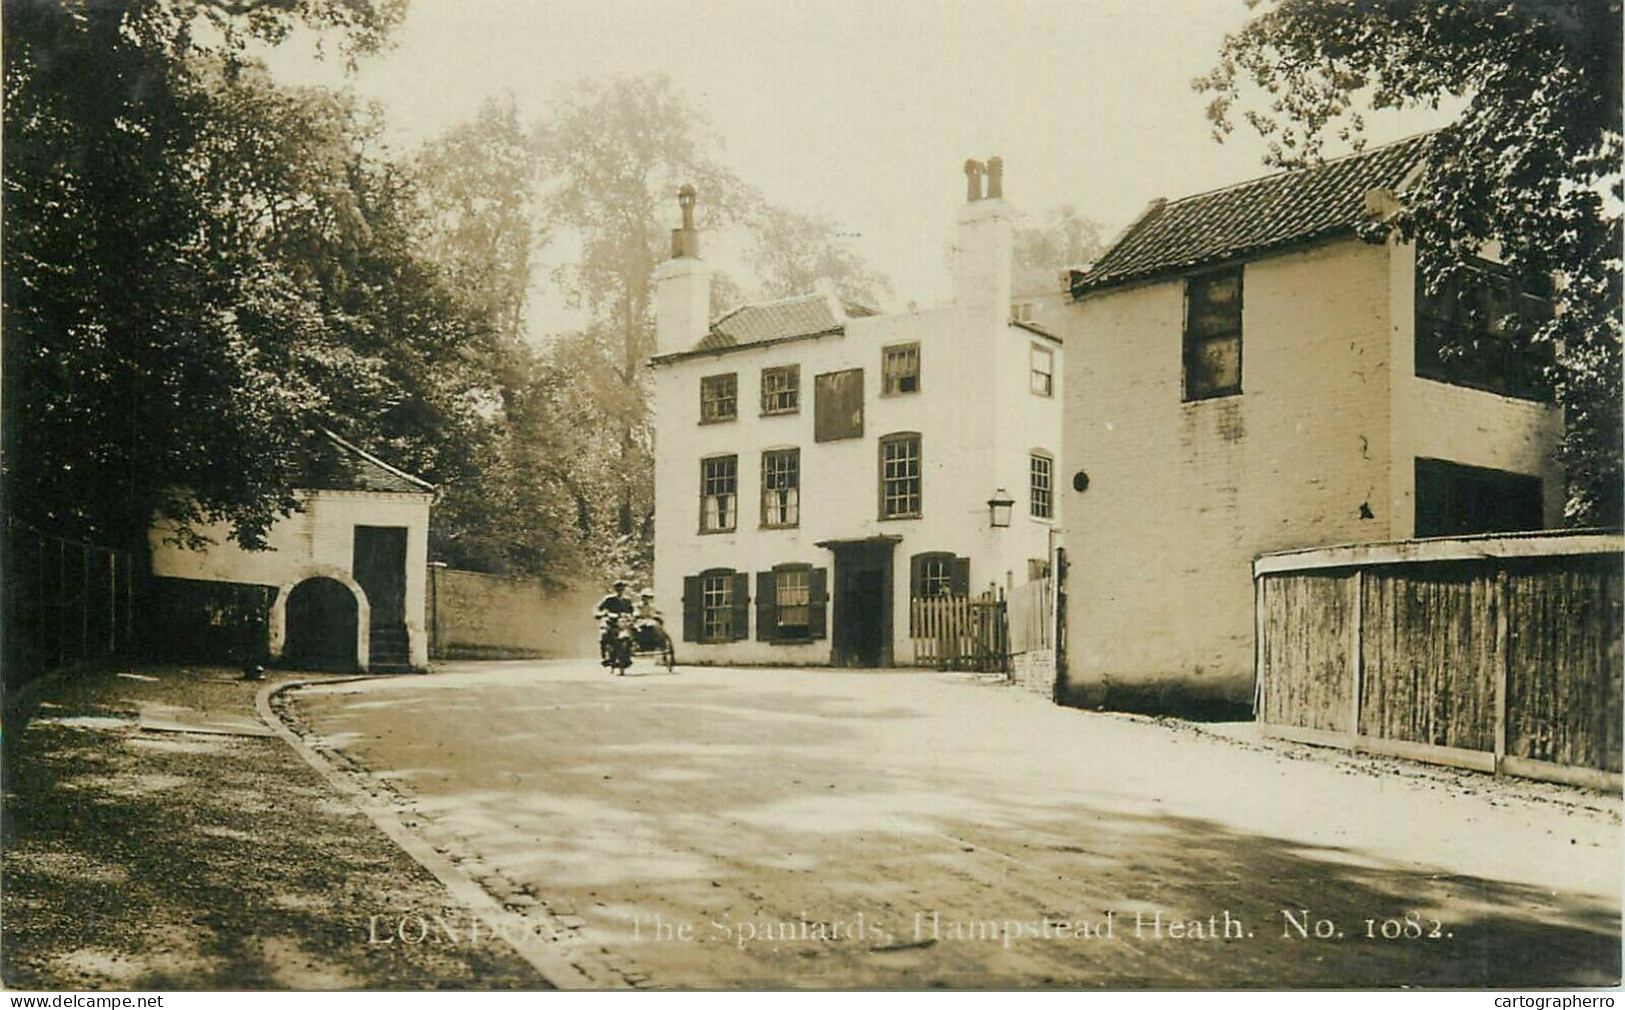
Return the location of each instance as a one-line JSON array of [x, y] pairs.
[[862, 633], [380, 567]]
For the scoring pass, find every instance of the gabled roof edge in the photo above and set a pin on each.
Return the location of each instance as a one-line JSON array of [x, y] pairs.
[[351, 447]]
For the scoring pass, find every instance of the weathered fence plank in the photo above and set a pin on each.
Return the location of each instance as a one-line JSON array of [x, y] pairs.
[[1431, 662], [1309, 672], [1562, 705]]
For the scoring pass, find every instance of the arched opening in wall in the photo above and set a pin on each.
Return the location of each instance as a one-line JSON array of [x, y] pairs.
[[322, 626]]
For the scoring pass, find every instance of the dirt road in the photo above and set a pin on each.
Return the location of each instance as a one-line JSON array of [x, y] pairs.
[[750, 828]]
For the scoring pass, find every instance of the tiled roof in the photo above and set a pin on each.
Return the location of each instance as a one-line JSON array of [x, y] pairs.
[[337, 465], [802, 316], [1252, 217]]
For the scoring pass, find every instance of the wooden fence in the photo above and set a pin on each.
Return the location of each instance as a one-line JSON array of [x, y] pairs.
[[961, 633], [63, 603], [1495, 653], [1032, 617]]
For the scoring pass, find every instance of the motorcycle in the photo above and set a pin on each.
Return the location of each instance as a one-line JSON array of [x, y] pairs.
[[620, 645]]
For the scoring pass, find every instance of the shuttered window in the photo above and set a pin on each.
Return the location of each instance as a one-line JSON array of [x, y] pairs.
[[781, 487], [791, 603], [1213, 335], [716, 606], [935, 575], [900, 487], [719, 491], [938, 573], [838, 405]]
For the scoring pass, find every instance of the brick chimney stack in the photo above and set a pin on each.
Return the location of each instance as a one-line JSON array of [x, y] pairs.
[[982, 249], [682, 286]]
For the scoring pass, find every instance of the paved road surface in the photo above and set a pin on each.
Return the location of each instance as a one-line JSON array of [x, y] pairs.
[[816, 828]]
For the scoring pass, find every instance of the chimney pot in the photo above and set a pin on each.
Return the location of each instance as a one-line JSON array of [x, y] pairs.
[[685, 241], [995, 178], [973, 180]]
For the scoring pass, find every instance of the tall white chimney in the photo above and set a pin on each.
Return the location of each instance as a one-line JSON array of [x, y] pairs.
[[982, 248], [682, 287]]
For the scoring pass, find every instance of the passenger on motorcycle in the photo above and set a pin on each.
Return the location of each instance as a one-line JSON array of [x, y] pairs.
[[651, 624]]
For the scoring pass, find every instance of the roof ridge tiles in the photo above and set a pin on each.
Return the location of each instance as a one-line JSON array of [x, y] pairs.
[[1284, 173], [1267, 212]]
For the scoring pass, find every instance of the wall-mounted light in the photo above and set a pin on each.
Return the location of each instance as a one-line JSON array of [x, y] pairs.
[[998, 508]]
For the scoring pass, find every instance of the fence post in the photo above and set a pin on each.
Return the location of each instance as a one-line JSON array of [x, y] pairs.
[[1357, 656], [84, 602], [43, 605], [129, 603], [112, 602], [1258, 649], [61, 601], [1503, 675]]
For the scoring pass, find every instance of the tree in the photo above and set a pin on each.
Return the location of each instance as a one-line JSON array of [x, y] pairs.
[[203, 269], [1532, 164], [478, 181], [1042, 253], [616, 153], [793, 254]]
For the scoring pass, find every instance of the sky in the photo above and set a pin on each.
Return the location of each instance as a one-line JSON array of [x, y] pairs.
[[862, 110]]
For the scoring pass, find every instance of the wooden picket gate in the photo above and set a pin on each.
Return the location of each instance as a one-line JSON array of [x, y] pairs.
[[961, 633]]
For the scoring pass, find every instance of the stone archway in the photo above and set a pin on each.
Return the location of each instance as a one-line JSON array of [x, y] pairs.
[[322, 622], [355, 615]]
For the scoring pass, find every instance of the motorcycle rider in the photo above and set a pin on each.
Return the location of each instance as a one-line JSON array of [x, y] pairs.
[[609, 609]]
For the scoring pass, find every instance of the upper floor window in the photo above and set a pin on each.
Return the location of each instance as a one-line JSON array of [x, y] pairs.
[[900, 476], [719, 487], [1043, 370], [1213, 335], [781, 389], [1041, 469], [1021, 312], [900, 369], [719, 398], [781, 487], [838, 405], [1468, 333]]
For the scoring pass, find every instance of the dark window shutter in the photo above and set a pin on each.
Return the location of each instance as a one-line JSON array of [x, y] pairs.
[[817, 603], [767, 591], [691, 608], [741, 617], [961, 582], [914, 577], [838, 405]]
